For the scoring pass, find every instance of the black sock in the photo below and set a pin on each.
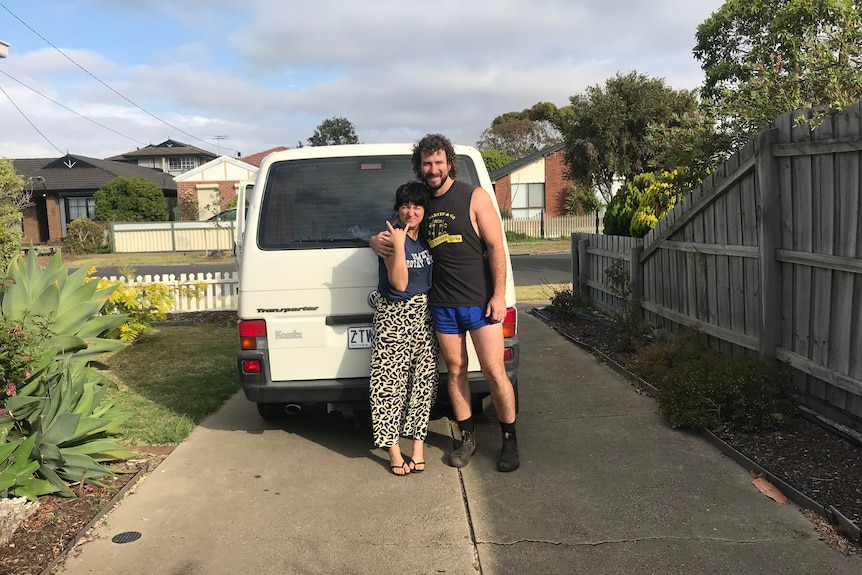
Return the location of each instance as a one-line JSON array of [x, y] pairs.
[[508, 428], [467, 425]]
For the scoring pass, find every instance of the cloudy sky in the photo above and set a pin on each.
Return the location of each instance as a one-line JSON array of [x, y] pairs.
[[103, 77]]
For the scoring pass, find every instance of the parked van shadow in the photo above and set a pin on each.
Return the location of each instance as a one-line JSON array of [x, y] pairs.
[[347, 434]]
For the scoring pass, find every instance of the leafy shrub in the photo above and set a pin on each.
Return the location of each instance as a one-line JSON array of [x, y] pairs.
[[621, 208], [142, 305], [567, 301], [131, 200], [701, 388], [84, 236], [660, 195], [17, 350], [13, 198]]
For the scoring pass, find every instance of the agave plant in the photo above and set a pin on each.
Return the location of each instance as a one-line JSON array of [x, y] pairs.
[[70, 302], [73, 427], [62, 406], [17, 469]]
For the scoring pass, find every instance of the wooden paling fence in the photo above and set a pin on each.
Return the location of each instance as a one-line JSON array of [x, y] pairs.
[[764, 256]]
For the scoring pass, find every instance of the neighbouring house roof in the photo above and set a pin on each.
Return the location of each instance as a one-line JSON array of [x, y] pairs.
[[80, 173], [223, 168], [256, 159], [525, 161], [166, 148]]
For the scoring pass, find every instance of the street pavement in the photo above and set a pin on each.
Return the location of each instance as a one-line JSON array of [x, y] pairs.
[[605, 487]]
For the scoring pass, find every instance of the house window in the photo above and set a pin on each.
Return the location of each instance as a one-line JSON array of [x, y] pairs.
[[181, 164], [81, 208], [528, 200]]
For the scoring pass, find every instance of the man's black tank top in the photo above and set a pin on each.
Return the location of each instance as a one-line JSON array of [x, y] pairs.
[[461, 272]]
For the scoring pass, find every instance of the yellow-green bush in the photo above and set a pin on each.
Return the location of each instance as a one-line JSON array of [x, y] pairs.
[[660, 194], [143, 304]]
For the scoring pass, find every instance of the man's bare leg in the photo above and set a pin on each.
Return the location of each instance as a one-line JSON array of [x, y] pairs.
[[453, 348], [488, 342]]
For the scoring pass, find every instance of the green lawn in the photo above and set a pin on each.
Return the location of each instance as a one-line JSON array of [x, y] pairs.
[[172, 380]]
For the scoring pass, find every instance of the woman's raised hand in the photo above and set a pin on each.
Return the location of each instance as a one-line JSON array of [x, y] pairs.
[[397, 235]]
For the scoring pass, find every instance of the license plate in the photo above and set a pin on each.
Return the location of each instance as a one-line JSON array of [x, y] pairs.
[[358, 337]]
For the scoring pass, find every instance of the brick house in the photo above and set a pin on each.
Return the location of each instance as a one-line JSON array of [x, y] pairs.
[[62, 190], [212, 186], [533, 183]]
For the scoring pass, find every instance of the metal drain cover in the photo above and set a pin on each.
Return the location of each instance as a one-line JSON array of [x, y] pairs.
[[126, 537]]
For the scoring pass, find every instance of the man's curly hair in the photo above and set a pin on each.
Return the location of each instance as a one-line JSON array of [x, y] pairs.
[[430, 144]]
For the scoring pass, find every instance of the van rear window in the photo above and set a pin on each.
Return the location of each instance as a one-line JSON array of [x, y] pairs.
[[334, 202]]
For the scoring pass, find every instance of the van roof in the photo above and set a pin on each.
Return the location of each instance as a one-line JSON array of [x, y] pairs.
[[349, 150]]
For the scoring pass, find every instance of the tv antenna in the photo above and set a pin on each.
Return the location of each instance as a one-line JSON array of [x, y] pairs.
[[218, 140]]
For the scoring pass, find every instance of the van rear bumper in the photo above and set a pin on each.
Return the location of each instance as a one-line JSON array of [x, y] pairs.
[[260, 388]]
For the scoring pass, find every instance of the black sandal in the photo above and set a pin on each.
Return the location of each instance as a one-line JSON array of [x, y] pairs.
[[392, 469]]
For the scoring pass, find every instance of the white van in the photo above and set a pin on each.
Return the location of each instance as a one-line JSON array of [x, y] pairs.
[[307, 278]]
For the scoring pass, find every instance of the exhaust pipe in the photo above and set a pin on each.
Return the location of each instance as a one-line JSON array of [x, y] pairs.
[[292, 409]]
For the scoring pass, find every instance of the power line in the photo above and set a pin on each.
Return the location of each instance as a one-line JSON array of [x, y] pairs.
[[71, 110], [30, 121], [104, 84]]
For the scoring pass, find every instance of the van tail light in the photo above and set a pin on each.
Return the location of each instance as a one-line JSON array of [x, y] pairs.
[[510, 322], [252, 334], [251, 366]]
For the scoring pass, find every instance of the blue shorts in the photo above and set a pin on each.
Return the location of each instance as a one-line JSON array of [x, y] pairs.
[[455, 320]]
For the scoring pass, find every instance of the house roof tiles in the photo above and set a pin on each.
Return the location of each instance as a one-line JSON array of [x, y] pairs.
[[166, 148], [256, 159], [525, 161], [80, 173]]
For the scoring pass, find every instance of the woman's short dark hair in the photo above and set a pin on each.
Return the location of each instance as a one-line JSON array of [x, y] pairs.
[[411, 193], [430, 144]]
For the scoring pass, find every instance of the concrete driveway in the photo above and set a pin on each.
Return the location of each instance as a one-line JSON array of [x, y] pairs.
[[605, 487]]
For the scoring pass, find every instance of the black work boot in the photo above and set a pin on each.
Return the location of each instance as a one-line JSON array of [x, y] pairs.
[[460, 456], [509, 458]]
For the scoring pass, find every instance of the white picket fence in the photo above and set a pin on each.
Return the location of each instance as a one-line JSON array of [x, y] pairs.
[[555, 227], [220, 293]]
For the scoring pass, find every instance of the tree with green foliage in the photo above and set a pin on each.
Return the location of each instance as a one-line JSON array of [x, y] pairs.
[[520, 134], [131, 200], [582, 200], [692, 143], [495, 159], [334, 131], [621, 209], [766, 57], [13, 200], [605, 134]]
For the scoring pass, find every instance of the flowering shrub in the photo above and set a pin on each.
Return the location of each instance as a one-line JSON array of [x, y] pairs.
[[17, 350]]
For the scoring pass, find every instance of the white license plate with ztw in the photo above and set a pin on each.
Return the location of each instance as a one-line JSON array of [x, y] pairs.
[[358, 337]]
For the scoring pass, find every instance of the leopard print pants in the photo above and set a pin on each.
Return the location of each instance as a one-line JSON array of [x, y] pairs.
[[403, 371]]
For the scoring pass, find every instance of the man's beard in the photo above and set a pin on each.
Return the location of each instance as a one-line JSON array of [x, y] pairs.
[[443, 181]]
